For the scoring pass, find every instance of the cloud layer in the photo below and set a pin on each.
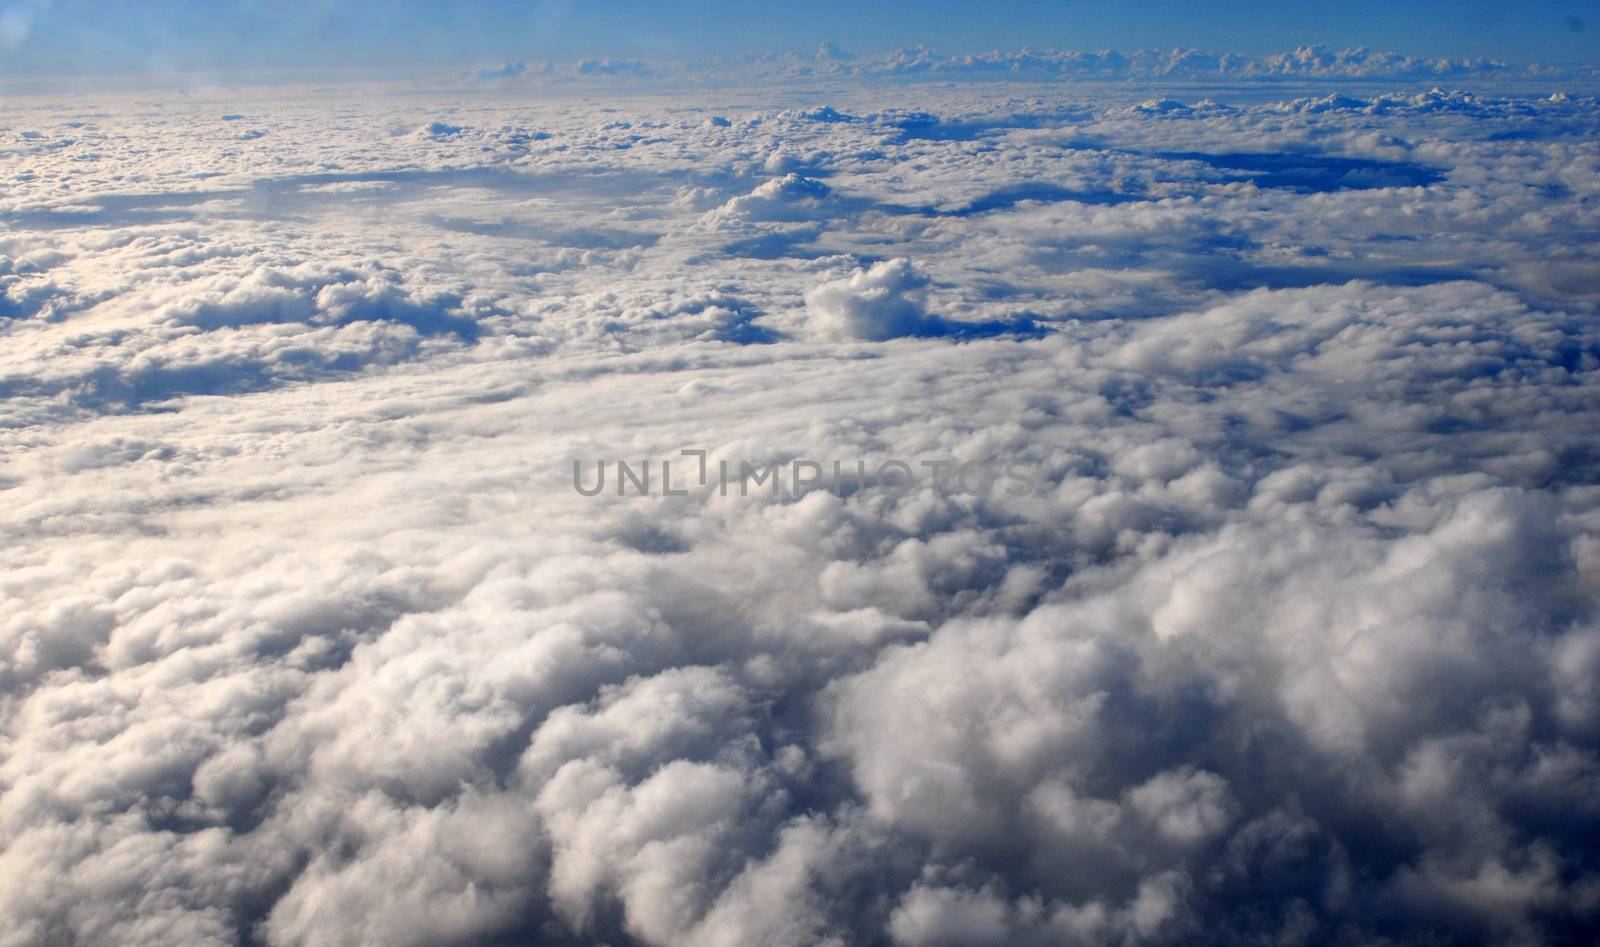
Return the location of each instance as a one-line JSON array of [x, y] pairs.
[[307, 639], [920, 63]]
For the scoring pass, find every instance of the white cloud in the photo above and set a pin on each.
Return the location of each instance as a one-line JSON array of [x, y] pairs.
[[885, 301], [306, 638]]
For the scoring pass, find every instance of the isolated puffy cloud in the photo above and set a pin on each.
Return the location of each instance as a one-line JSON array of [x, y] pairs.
[[306, 637], [886, 301], [790, 197]]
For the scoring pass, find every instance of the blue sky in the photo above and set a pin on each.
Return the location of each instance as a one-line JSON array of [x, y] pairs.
[[40, 37]]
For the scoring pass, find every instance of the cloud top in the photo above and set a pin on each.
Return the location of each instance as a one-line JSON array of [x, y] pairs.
[[307, 637], [885, 301]]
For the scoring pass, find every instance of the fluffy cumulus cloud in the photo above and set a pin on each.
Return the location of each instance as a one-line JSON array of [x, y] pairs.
[[884, 302], [1182, 527]]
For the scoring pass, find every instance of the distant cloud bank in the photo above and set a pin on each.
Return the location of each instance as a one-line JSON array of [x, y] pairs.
[[829, 61]]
